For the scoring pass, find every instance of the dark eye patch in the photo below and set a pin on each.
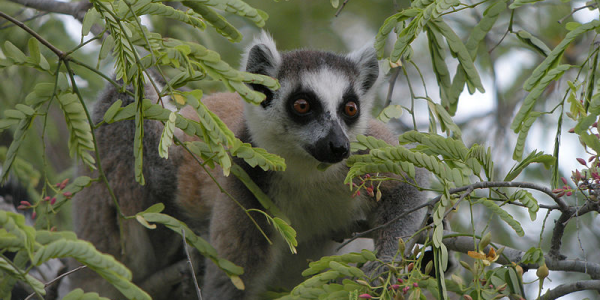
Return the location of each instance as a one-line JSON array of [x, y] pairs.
[[349, 97], [316, 109]]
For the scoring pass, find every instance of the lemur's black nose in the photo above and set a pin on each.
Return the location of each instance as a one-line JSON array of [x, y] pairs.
[[339, 148], [332, 148]]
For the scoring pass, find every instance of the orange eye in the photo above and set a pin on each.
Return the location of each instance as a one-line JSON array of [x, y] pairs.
[[301, 106], [351, 109]]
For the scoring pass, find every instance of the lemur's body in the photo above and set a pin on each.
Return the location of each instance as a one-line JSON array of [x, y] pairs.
[[323, 103]]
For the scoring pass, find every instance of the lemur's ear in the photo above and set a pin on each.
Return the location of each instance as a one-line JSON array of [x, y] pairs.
[[261, 56], [368, 66]]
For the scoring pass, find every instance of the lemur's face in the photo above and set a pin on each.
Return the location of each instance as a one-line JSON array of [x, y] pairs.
[[323, 102]]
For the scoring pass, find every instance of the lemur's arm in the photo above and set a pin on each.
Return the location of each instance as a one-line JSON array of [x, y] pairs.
[[396, 198]]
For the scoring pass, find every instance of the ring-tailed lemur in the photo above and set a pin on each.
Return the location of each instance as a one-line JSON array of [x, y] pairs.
[[324, 102]]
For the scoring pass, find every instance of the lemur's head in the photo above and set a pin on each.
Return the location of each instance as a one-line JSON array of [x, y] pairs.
[[323, 103]]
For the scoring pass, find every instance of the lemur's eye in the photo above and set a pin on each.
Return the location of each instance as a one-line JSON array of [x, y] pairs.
[[301, 106], [351, 109]]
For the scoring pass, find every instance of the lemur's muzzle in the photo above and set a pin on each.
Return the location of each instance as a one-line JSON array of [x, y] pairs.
[[332, 148]]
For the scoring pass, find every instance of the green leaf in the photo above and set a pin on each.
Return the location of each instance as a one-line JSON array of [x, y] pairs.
[[390, 112], [527, 199], [73, 188], [34, 50], [215, 20], [262, 198], [108, 44], [79, 294], [506, 217], [18, 137], [446, 122], [11, 51], [80, 132], [257, 156], [388, 25], [591, 141], [533, 157], [110, 113], [533, 42], [527, 123], [335, 3], [31, 281], [166, 138], [16, 235], [194, 240], [91, 17], [519, 3], [553, 58], [484, 158], [459, 50], [535, 93], [159, 9], [105, 265], [438, 60]]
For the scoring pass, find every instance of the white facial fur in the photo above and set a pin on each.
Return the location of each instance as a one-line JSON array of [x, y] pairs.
[[272, 128]]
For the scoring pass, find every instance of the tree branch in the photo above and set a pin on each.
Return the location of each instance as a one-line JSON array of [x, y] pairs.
[[562, 205], [75, 9], [56, 51], [568, 288], [561, 224], [464, 244]]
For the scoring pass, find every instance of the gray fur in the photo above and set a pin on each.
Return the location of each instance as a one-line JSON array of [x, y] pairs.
[[94, 214], [318, 204]]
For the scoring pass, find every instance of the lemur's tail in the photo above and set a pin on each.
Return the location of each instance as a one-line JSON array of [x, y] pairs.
[[95, 215]]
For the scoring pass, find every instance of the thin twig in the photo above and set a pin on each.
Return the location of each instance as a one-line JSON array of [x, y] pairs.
[[26, 20], [187, 254], [366, 232], [576, 10], [392, 83], [341, 7], [57, 279], [57, 51]]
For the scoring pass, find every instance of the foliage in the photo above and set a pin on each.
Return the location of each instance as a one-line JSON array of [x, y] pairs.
[[460, 165]]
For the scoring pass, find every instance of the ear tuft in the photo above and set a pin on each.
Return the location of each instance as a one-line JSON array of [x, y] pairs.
[[261, 56], [368, 66]]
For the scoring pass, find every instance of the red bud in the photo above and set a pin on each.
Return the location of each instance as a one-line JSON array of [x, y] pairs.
[[26, 203], [52, 201], [33, 215], [564, 180], [67, 194], [365, 296], [582, 161], [572, 130], [64, 183]]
